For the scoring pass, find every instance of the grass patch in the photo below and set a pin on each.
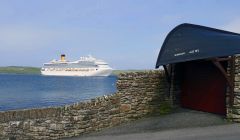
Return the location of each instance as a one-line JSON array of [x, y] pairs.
[[165, 108]]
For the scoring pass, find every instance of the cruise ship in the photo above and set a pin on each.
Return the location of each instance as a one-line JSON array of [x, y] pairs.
[[85, 66]]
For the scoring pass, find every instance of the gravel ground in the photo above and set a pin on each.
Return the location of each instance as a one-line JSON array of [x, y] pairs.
[[181, 118]]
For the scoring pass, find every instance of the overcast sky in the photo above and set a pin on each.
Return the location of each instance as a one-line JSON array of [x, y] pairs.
[[128, 34]]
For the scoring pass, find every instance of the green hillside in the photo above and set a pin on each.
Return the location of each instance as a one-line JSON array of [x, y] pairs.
[[20, 70]]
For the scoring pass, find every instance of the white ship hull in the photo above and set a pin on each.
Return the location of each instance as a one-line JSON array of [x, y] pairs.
[[99, 72], [85, 66]]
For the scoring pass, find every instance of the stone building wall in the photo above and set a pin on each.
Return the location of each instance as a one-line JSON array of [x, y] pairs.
[[175, 89], [233, 113], [139, 94]]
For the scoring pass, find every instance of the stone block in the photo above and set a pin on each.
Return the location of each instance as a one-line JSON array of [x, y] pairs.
[[125, 107], [79, 131], [38, 129], [14, 123], [56, 126], [78, 118], [114, 111]]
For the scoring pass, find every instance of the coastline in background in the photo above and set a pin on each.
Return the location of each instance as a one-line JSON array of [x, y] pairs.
[[36, 70]]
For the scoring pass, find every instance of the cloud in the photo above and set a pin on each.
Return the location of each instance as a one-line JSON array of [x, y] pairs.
[[233, 26]]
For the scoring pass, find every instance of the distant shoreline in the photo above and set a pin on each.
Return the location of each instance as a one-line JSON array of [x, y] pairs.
[[36, 70], [19, 70]]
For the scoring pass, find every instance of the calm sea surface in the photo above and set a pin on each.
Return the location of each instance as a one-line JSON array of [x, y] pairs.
[[34, 91]]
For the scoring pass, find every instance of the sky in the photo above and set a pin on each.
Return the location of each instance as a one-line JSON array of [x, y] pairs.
[[128, 34]]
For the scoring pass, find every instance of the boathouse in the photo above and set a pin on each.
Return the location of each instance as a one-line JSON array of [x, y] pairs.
[[202, 68]]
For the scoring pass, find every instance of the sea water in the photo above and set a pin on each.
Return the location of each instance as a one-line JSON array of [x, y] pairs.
[[36, 91]]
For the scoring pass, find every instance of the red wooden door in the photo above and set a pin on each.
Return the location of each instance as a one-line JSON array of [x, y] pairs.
[[203, 87]]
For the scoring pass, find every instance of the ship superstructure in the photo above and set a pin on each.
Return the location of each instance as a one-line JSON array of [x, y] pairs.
[[85, 66]]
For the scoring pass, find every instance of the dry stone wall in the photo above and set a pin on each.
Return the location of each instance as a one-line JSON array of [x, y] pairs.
[[139, 94]]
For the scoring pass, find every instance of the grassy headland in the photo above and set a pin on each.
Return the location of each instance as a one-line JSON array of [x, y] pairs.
[[36, 70], [19, 70]]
